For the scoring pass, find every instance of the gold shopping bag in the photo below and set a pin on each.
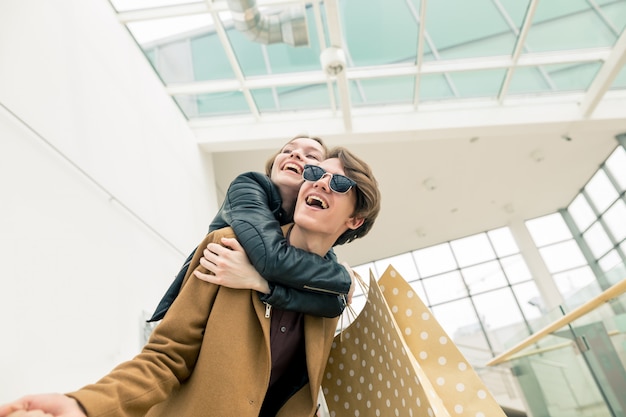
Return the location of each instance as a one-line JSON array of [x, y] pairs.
[[395, 359]]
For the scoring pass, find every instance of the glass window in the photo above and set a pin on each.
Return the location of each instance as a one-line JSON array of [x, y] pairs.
[[231, 102], [391, 90], [497, 309], [581, 212], [616, 274], [435, 87], [445, 287], [434, 260], [503, 241], [472, 250], [562, 256], [208, 59], [616, 164], [571, 281], [472, 84], [312, 96], [597, 240], [609, 261], [515, 269], [459, 321], [576, 18], [530, 299], [600, 190], [174, 62], [366, 30], [403, 263], [484, 277], [452, 37], [548, 229]]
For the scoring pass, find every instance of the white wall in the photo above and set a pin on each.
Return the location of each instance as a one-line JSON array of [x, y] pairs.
[[78, 267]]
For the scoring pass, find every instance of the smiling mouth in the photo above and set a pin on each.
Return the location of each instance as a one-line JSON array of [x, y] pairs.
[[293, 167], [315, 201]]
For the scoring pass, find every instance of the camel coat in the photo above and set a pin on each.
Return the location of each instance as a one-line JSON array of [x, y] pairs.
[[209, 357]]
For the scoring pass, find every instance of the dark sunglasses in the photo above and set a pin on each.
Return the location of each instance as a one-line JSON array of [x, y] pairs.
[[338, 183]]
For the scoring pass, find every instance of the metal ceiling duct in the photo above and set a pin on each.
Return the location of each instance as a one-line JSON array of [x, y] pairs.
[[288, 26]]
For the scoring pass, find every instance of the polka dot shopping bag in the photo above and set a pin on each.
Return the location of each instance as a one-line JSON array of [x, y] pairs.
[[395, 359]]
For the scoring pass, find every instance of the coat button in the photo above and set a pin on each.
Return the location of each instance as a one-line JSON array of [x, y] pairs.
[[283, 329]]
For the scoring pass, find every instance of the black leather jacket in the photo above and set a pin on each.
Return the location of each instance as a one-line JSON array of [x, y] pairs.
[[299, 280]]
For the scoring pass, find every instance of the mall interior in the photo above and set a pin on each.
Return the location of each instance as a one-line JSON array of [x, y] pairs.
[[496, 130]]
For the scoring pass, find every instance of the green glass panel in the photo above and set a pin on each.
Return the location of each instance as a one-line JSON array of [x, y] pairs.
[[566, 77], [567, 24], [500, 44], [219, 104], [314, 96], [285, 58], [386, 90], [484, 83], [209, 59], [264, 99], [378, 32], [454, 25], [572, 77], [529, 80], [615, 13], [515, 10], [434, 87], [249, 54]]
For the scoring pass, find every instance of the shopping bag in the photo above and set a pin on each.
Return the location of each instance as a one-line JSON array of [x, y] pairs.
[[395, 359]]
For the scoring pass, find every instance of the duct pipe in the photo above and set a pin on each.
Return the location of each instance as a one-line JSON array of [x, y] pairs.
[[288, 26]]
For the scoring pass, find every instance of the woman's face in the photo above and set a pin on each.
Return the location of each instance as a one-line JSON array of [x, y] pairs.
[[289, 163]]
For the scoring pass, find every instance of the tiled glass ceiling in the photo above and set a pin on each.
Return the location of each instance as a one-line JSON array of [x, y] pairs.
[[397, 52]]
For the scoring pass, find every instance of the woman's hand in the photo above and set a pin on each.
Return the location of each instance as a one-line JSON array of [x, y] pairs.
[[228, 265], [42, 405]]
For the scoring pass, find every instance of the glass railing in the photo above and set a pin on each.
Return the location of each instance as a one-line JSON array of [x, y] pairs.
[[575, 365]]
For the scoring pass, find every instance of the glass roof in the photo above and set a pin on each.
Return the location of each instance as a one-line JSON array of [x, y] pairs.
[[397, 52]]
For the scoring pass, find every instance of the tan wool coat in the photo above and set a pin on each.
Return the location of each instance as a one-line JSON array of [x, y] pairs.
[[209, 357]]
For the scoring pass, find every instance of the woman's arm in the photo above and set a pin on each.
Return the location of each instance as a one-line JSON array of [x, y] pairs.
[[252, 209], [228, 265]]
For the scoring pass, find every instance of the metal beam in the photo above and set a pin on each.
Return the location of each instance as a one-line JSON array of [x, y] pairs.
[[611, 67]]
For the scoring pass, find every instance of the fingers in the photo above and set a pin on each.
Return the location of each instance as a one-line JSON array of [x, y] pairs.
[[30, 413], [232, 243], [204, 277]]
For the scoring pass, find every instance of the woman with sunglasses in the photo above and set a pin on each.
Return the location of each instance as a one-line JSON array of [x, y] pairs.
[[214, 353], [255, 206]]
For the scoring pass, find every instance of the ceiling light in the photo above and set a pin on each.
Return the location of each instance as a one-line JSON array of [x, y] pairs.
[[333, 60]]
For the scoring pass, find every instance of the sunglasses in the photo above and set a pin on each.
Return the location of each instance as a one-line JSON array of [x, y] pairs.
[[338, 183]]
